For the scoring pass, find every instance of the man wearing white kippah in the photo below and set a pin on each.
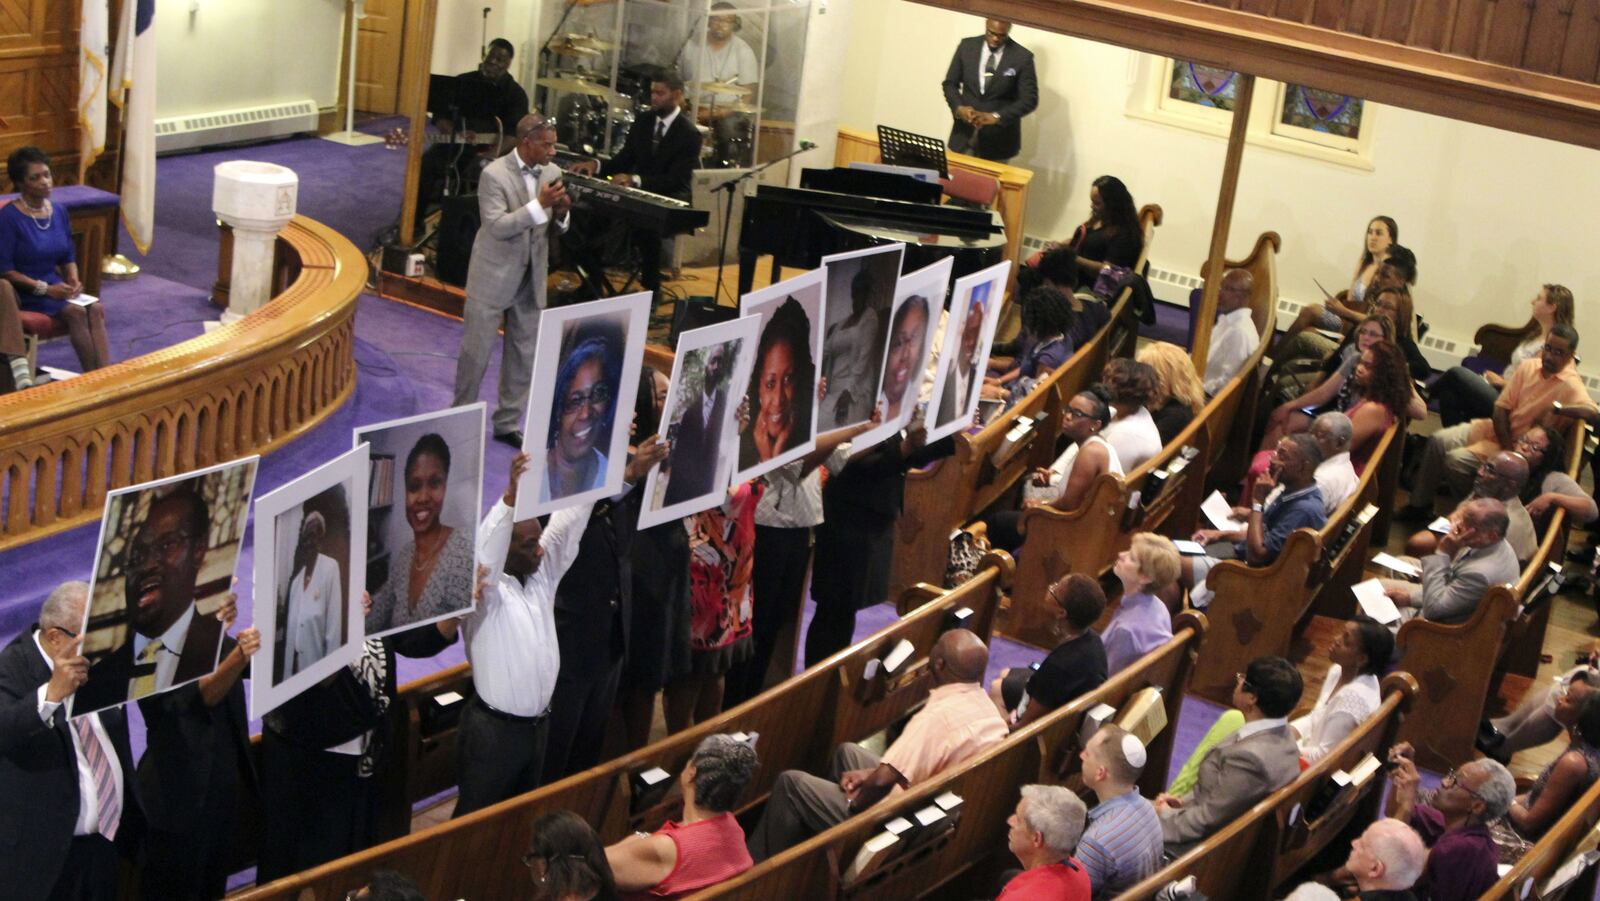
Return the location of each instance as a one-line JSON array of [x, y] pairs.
[[1123, 842]]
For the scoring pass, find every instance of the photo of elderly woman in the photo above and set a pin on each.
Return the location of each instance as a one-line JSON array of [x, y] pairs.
[[861, 287], [779, 415], [423, 494], [586, 373]]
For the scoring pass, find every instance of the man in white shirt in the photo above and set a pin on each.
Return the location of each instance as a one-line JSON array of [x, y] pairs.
[[66, 787], [511, 642], [1335, 476], [1235, 336], [724, 57]]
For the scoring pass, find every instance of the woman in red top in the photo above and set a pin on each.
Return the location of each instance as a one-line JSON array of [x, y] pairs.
[[707, 845]]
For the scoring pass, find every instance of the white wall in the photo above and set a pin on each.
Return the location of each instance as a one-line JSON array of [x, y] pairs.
[[234, 53], [1490, 214]]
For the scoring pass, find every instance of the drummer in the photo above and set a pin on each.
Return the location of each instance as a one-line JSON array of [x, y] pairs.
[[727, 59]]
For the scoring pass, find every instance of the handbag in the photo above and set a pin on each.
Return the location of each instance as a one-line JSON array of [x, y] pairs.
[[966, 550]]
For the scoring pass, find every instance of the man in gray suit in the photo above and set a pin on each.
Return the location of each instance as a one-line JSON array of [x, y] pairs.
[[1473, 556], [521, 200], [1246, 766]]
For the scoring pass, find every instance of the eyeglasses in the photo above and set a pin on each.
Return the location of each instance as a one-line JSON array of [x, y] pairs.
[[163, 547], [531, 856], [1549, 348], [1244, 683], [71, 634], [1072, 413], [1452, 779], [596, 397]]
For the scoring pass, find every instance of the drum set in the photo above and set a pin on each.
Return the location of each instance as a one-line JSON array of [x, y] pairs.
[[593, 117]]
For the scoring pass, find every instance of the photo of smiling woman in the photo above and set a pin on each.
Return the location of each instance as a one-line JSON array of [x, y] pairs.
[[781, 387], [424, 489], [580, 419]]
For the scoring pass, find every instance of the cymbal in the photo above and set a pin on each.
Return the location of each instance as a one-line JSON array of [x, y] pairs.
[[589, 40], [576, 86], [722, 87], [571, 48], [739, 107]]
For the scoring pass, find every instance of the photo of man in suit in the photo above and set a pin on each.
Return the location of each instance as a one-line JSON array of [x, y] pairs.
[[170, 642], [965, 369], [695, 448], [990, 86], [521, 199]]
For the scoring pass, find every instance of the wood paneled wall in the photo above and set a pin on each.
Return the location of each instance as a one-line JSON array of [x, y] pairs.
[[39, 86]]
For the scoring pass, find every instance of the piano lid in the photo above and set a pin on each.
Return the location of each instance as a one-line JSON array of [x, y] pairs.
[[868, 183], [887, 231]]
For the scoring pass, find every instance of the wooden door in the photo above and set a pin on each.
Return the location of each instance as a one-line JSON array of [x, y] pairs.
[[378, 56]]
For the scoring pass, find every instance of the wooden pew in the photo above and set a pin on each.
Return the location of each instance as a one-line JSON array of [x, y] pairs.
[[1046, 751], [1525, 879], [800, 721], [1458, 665], [1088, 539], [1255, 609], [1256, 857], [944, 496]]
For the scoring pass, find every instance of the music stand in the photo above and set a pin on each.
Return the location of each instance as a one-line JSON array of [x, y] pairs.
[[904, 148]]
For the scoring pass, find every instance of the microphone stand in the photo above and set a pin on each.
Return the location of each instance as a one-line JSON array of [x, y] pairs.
[[731, 186], [483, 35]]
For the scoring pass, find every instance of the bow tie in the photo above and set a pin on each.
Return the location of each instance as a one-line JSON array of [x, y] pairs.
[[531, 170]]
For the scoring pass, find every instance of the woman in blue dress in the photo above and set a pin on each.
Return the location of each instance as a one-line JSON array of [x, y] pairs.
[[37, 258]]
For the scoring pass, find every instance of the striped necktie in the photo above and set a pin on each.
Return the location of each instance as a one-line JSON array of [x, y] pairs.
[[107, 802]]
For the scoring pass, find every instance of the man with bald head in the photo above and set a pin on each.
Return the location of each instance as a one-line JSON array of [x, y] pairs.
[[990, 86], [66, 787], [1501, 478], [1470, 558], [1386, 860], [1234, 336], [958, 723]]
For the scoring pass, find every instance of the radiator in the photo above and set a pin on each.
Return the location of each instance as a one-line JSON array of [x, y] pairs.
[[253, 123]]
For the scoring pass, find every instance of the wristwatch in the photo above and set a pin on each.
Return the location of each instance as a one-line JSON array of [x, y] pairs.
[[1257, 508], [40, 289]]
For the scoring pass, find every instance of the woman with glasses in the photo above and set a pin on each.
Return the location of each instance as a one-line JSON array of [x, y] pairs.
[[567, 861], [1534, 721], [1076, 666], [1454, 822], [1566, 778], [1065, 483], [580, 422]]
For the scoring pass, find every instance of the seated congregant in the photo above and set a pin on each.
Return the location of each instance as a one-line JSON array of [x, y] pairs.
[[1043, 346], [1473, 556], [1045, 829], [1234, 336], [566, 860], [1122, 844], [1464, 395], [1065, 483], [1267, 526], [705, 846], [37, 258], [1132, 430], [1466, 562], [1058, 269], [1179, 397], [1500, 478], [1142, 622], [1533, 722], [957, 724], [1076, 667], [1386, 860], [1260, 758], [1349, 693], [1531, 390], [1453, 822], [13, 344]]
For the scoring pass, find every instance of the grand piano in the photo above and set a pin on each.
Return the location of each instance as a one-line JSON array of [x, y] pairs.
[[836, 210]]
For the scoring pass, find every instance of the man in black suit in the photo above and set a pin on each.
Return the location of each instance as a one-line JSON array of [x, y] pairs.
[[68, 804], [197, 752], [171, 643], [660, 156], [990, 86], [694, 456]]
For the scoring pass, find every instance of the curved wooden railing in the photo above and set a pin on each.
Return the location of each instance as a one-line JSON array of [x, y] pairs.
[[243, 388]]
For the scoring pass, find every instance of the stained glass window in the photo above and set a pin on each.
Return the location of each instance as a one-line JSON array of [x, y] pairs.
[[1322, 111], [1204, 85]]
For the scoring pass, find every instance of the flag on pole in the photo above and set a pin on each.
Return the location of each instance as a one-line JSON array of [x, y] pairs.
[[133, 90], [93, 63]]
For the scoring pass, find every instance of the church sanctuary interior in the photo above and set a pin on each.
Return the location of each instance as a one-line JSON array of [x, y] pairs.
[[1148, 592]]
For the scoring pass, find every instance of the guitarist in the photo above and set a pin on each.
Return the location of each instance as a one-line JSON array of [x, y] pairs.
[[483, 95]]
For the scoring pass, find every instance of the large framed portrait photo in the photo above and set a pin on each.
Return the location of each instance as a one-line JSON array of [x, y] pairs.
[[424, 499], [310, 563], [861, 296], [708, 369], [782, 391], [969, 334], [918, 297], [164, 566], [585, 377]]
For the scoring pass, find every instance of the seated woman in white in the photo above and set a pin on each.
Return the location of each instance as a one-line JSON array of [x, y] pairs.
[[1350, 692]]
